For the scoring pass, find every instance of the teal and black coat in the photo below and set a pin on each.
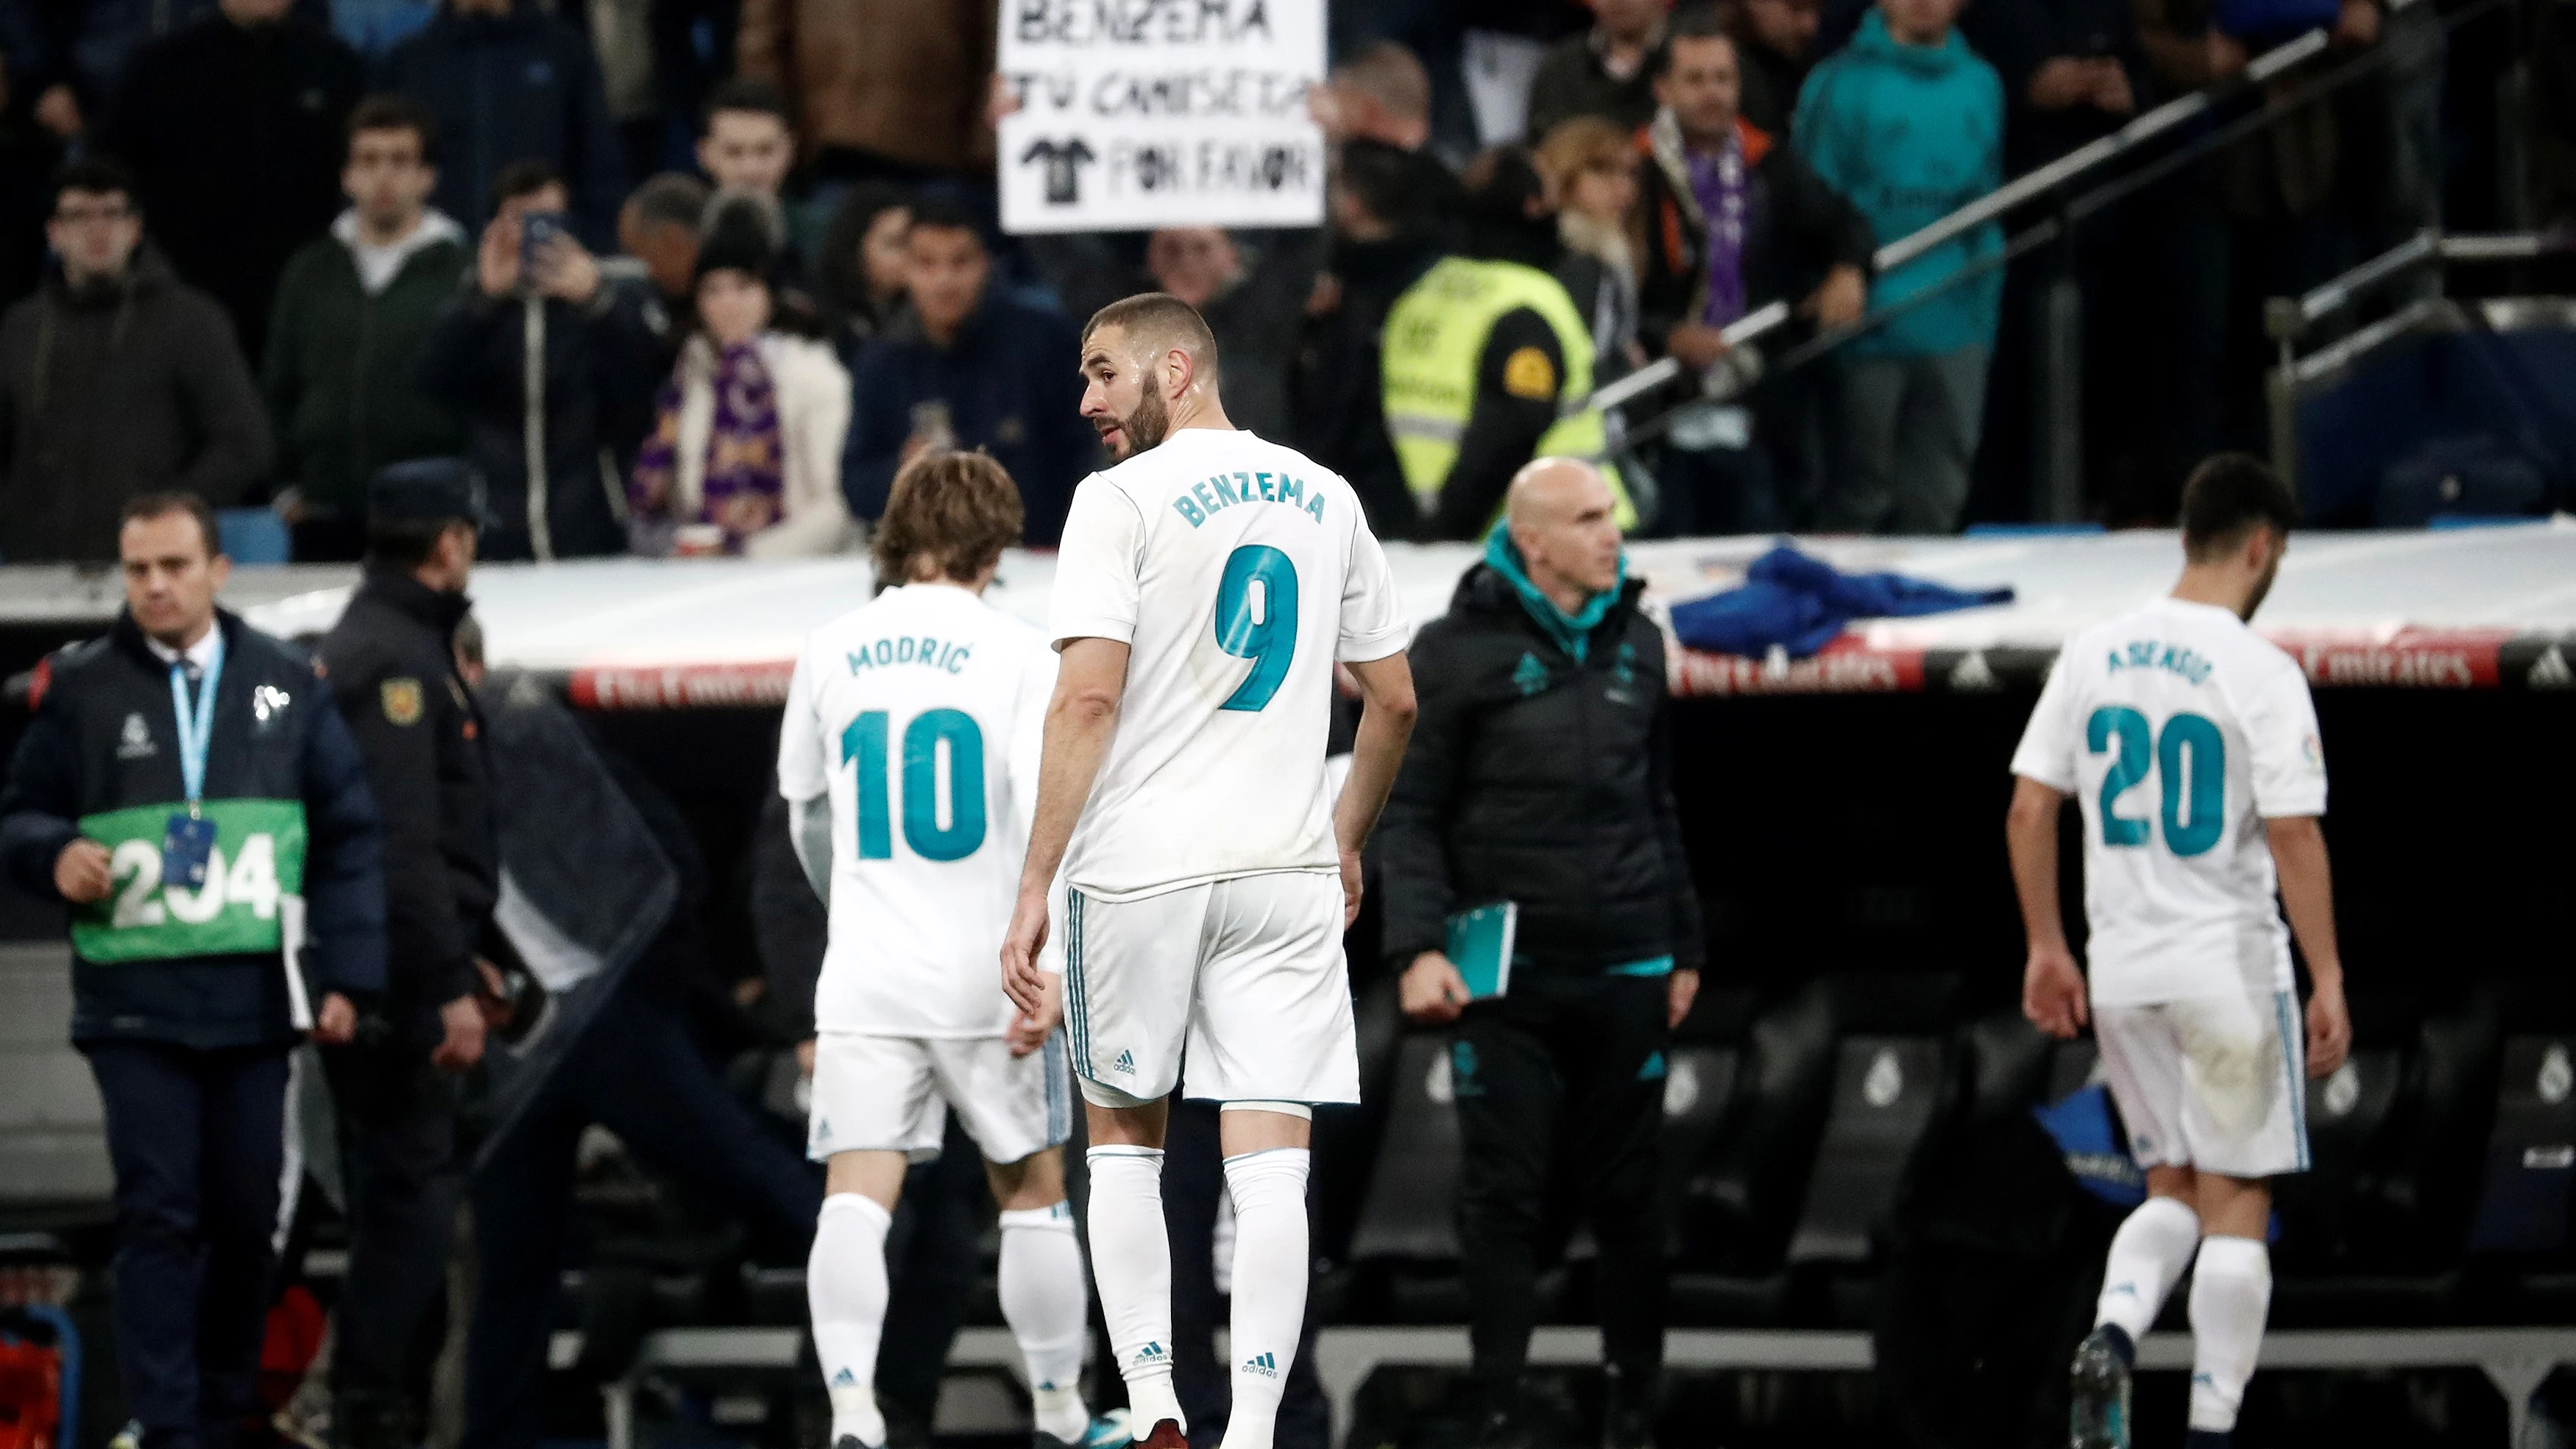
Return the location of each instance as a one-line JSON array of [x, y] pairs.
[[1540, 773], [105, 738]]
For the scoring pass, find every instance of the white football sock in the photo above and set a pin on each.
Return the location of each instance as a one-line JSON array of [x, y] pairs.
[[1131, 1265], [2231, 1293], [1044, 1299], [1270, 1271], [845, 1289], [2148, 1253]]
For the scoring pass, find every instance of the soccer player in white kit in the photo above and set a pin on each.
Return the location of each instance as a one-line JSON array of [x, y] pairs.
[[910, 750], [1206, 585], [2192, 746]]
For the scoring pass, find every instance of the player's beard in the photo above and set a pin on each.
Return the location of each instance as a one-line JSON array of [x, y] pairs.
[[1145, 427], [2262, 587]]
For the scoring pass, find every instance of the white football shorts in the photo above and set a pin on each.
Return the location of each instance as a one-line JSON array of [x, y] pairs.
[[2217, 1083], [894, 1093], [1245, 976]]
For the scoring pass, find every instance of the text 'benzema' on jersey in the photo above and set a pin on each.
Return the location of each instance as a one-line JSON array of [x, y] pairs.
[[2180, 731], [1238, 572], [920, 714]]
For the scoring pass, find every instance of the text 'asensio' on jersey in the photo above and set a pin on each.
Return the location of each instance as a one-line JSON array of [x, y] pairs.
[[1217, 492]]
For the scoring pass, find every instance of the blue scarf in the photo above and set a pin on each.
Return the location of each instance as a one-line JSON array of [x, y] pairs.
[[1572, 632]]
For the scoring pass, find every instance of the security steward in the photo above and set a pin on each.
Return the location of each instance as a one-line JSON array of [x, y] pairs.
[[1540, 777], [1483, 356], [391, 665], [185, 790]]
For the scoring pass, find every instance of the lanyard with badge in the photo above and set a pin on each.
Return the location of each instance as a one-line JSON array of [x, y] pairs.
[[188, 847]]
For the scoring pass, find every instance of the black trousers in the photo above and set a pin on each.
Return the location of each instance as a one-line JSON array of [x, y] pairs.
[[197, 1141], [397, 1117], [638, 1072], [1193, 1184], [1560, 1090]]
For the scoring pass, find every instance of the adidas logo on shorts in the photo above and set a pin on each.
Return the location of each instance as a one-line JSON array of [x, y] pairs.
[[1126, 1063], [1264, 1364]]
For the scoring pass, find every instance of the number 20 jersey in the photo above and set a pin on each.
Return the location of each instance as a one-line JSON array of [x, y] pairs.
[[1238, 572], [2179, 731], [920, 715]]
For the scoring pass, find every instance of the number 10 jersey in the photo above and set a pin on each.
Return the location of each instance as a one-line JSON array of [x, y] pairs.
[[1238, 572], [2179, 731], [920, 715]]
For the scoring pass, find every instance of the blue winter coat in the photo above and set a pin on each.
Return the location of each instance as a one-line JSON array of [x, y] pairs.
[[517, 87], [1911, 134]]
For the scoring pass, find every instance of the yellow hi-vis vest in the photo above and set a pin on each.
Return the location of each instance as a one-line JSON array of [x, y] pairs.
[[1435, 338]]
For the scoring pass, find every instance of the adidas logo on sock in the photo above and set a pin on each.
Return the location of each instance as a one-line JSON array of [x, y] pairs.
[[1126, 1063], [1264, 1364], [843, 1377], [1152, 1353]]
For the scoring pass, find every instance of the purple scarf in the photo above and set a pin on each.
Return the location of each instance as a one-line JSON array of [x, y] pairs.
[[744, 482], [1717, 182]]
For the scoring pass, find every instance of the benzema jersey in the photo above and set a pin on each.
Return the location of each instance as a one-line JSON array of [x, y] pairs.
[[1238, 572], [2180, 731], [920, 715]]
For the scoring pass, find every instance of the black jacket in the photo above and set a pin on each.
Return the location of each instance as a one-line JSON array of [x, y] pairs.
[[1541, 780], [518, 87], [1796, 228], [392, 667], [112, 390], [581, 414], [236, 133], [104, 737]]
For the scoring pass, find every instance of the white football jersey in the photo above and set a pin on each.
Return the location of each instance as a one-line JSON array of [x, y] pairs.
[[920, 714], [2180, 731], [1238, 571]]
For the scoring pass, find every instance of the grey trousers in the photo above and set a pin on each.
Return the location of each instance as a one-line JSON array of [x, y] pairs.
[[1909, 434]]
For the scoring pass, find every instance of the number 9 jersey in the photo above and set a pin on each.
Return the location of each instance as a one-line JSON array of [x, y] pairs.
[[920, 715], [1238, 572], [2180, 731]]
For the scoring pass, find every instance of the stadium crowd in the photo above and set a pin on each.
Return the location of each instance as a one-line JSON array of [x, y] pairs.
[[262, 248]]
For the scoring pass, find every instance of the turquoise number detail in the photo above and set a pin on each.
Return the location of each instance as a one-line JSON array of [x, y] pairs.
[[2128, 768], [2192, 826], [965, 832], [1270, 641], [864, 743], [2191, 734]]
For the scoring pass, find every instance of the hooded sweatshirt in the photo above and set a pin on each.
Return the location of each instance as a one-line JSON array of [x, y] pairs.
[[1911, 133]]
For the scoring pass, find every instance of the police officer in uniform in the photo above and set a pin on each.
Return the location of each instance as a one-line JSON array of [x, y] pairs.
[[391, 665], [1483, 354], [184, 789]]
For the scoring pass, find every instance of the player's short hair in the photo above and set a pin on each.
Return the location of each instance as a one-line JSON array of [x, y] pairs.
[[525, 178], [1156, 322], [958, 510], [162, 505], [1390, 75], [747, 94], [397, 113], [1700, 22], [2228, 494]]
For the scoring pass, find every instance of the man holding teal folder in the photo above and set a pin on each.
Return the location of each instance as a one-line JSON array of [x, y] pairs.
[[1538, 897]]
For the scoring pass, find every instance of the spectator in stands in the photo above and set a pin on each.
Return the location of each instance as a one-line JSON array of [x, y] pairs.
[[657, 230], [235, 128], [551, 367], [510, 82], [969, 367], [117, 380], [745, 452], [1775, 46], [1734, 220], [1485, 355], [622, 40], [2065, 67], [1590, 167], [859, 279], [1540, 775], [750, 138], [353, 311], [184, 1013], [71, 58], [890, 90], [1383, 95], [1607, 71], [1383, 240], [1908, 123]]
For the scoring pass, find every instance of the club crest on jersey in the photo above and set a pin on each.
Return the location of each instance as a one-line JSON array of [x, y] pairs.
[[1225, 490]]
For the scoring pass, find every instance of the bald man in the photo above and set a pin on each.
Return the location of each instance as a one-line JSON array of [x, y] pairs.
[[1207, 584], [1540, 777]]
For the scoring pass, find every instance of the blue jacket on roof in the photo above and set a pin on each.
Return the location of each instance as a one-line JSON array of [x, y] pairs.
[[1911, 133]]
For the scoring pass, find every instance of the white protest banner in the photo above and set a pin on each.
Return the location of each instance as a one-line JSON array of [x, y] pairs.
[[1137, 114]]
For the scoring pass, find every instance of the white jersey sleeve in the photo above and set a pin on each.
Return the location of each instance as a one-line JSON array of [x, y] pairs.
[[803, 772], [2288, 756], [1373, 624], [2049, 741], [1099, 573]]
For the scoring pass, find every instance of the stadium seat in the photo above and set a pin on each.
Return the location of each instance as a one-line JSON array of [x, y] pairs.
[[253, 535], [2523, 1197], [1406, 1240], [2008, 1062], [1886, 1090], [1737, 1204]]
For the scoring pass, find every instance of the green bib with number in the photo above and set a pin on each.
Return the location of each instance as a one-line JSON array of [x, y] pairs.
[[258, 859]]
